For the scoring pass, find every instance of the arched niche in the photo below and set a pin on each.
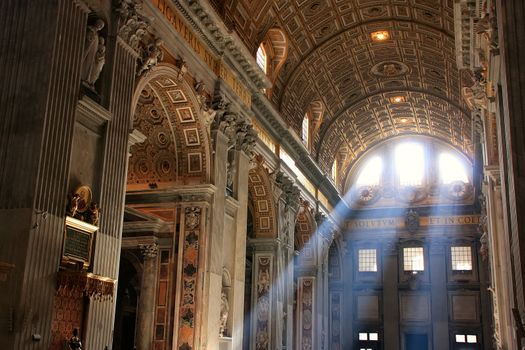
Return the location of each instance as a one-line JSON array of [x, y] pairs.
[[262, 203], [176, 148], [305, 240]]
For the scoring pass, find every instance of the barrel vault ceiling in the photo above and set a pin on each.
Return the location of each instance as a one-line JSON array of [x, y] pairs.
[[333, 59]]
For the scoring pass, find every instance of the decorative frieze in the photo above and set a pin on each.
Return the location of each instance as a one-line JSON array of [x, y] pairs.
[[85, 283], [263, 302], [190, 265], [305, 319]]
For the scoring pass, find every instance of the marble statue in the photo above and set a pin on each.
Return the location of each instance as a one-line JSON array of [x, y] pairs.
[[91, 48], [98, 62], [225, 308]]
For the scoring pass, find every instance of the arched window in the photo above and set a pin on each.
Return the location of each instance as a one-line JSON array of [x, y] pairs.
[[410, 163], [451, 169], [370, 175], [409, 169], [333, 172], [305, 129], [262, 58]]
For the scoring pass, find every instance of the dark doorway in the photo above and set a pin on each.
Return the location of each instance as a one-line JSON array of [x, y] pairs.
[[126, 311], [416, 341], [248, 288]]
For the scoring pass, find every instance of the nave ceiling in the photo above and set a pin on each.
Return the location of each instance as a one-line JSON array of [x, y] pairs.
[[332, 58]]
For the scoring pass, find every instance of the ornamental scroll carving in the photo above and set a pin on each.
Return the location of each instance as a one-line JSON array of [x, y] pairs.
[[75, 283], [238, 128], [135, 31], [149, 251], [192, 218], [290, 193], [133, 23]]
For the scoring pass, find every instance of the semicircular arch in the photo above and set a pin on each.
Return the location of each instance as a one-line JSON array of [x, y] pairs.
[[376, 119], [262, 203], [305, 238], [177, 145]]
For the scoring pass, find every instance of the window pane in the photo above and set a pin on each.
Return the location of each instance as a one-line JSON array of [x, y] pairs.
[[304, 135], [363, 336], [373, 336], [461, 258], [261, 58], [367, 260], [451, 169], [371, 173], [460, 338], [409, 158], [413, 259], [334, 170], [472, 339]]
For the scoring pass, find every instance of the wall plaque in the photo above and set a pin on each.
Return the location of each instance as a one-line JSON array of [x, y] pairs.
[[78, 241]]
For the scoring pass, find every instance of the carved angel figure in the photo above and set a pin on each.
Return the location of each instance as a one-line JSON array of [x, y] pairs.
[[152, 55]]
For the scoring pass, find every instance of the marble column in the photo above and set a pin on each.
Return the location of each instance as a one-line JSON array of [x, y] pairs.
[[307, 332], [500, 264], [41, 46], [511, 32], [390, 296], [146, 307], [262, 299], [236, 317], [214, 250], [438, 282]]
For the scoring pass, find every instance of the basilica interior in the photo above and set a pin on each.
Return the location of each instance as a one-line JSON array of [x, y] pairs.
[[262, 174]]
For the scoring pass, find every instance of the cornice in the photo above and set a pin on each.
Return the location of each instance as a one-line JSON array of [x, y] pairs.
[[201, 194], [271, 120], [204, 20]]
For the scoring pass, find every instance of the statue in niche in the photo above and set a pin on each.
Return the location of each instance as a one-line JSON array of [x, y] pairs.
[[230, 173], [225, 308], [98, 63], [91, 49]]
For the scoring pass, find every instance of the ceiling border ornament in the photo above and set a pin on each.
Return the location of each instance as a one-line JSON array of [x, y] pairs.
[[390, 69]]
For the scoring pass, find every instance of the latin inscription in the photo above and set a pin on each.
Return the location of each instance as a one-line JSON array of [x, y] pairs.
[[77, 244], [393, 223]]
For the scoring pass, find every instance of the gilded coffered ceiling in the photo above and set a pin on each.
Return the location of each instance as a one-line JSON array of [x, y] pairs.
[[371, 90]]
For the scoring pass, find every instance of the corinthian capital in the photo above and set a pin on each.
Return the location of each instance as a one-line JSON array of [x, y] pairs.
[[149, 251]]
